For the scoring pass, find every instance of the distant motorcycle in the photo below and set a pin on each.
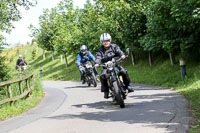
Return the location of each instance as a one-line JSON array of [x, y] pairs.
[[117, 88], [89, 74]]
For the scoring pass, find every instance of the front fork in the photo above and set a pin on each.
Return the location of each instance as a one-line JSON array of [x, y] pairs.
[[120, 84], [112, 78]]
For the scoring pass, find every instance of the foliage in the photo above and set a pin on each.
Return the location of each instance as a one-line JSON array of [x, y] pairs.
[[147, 25], [171, 25], [22, 105], [33, 54], [10, 13], [3, 70]]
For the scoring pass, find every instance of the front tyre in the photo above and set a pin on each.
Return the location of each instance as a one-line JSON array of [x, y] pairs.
[[119, 96], [94, 80]]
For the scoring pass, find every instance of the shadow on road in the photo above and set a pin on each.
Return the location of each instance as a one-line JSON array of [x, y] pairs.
[[142, 87], [71, 87], [159, 112]]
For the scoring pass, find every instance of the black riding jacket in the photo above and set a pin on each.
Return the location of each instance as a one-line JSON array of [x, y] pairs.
[[103, 55], [21, 62]]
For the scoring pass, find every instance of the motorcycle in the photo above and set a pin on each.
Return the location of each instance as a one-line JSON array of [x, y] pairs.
[[89, 74], [116, 86]]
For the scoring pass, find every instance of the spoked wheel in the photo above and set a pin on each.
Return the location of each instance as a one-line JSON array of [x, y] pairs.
[[94, 80], [87, 78], [119, 97]]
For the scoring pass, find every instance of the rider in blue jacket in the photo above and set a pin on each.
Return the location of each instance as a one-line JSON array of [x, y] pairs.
[[82, 58]]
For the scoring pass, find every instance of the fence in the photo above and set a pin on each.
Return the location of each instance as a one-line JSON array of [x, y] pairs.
[[22, 92]]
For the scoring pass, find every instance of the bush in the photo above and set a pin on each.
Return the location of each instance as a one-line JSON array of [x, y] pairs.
[[3, 70]]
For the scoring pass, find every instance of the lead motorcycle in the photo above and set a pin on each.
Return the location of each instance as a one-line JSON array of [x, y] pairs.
[[117, 88], [89, 74]]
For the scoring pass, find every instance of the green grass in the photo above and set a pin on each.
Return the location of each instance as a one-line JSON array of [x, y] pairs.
[[22, 105], [161, 73]]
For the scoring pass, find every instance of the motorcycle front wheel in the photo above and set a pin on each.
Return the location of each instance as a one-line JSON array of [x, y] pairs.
[[94, 80], [118, 94]]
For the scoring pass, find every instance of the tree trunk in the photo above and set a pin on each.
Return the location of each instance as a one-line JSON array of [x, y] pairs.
[[61, 58], [43, 54], [172, 59], [52, 55], [133, 58], [150, 58], [66, 62]]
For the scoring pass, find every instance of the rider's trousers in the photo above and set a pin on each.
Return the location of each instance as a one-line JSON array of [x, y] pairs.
[[104, 76]]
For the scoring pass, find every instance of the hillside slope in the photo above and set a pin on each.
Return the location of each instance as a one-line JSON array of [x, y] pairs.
[[161, 73]]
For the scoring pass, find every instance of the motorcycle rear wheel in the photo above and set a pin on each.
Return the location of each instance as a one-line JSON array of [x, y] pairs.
[[119, 96]]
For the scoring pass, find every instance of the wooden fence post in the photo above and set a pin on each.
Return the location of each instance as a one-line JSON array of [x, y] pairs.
[[20, 87], [150, 58], [27, 84], [10, 94]]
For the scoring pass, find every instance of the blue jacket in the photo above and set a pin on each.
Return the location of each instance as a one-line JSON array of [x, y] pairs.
[[81, 59]]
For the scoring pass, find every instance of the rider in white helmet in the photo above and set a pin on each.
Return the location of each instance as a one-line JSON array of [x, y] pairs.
[[105, 53]]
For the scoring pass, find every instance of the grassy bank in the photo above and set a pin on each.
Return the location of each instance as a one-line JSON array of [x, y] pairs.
[[161, 73], [22, 105]]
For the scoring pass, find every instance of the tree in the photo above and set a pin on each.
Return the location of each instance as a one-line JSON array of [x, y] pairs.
[[124, 20], [10, 13], [171, 26]]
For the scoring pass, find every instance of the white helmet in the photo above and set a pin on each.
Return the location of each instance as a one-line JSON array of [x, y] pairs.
[[20, 56], [83, 47], [105, 36]]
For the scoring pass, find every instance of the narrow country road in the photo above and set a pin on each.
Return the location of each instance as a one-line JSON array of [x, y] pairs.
[[70, 107]]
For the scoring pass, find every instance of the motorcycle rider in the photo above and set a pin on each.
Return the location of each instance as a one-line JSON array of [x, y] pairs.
[[20, 62], [105, 53], [82, 58]]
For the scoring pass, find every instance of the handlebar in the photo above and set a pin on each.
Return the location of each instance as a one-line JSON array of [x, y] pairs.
[[114, 60]]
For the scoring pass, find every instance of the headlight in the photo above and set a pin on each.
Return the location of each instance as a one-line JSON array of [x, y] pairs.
[[110, 68], [109, 65], [88, 66]]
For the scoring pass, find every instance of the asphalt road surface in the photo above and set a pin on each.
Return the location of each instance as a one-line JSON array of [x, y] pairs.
[[70, 107]]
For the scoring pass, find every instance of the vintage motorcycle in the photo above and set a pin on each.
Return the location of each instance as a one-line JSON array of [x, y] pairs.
[[89, 74], [117, 88]]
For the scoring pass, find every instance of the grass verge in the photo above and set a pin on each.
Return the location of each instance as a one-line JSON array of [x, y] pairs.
[[162, 73], [22, 105]]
